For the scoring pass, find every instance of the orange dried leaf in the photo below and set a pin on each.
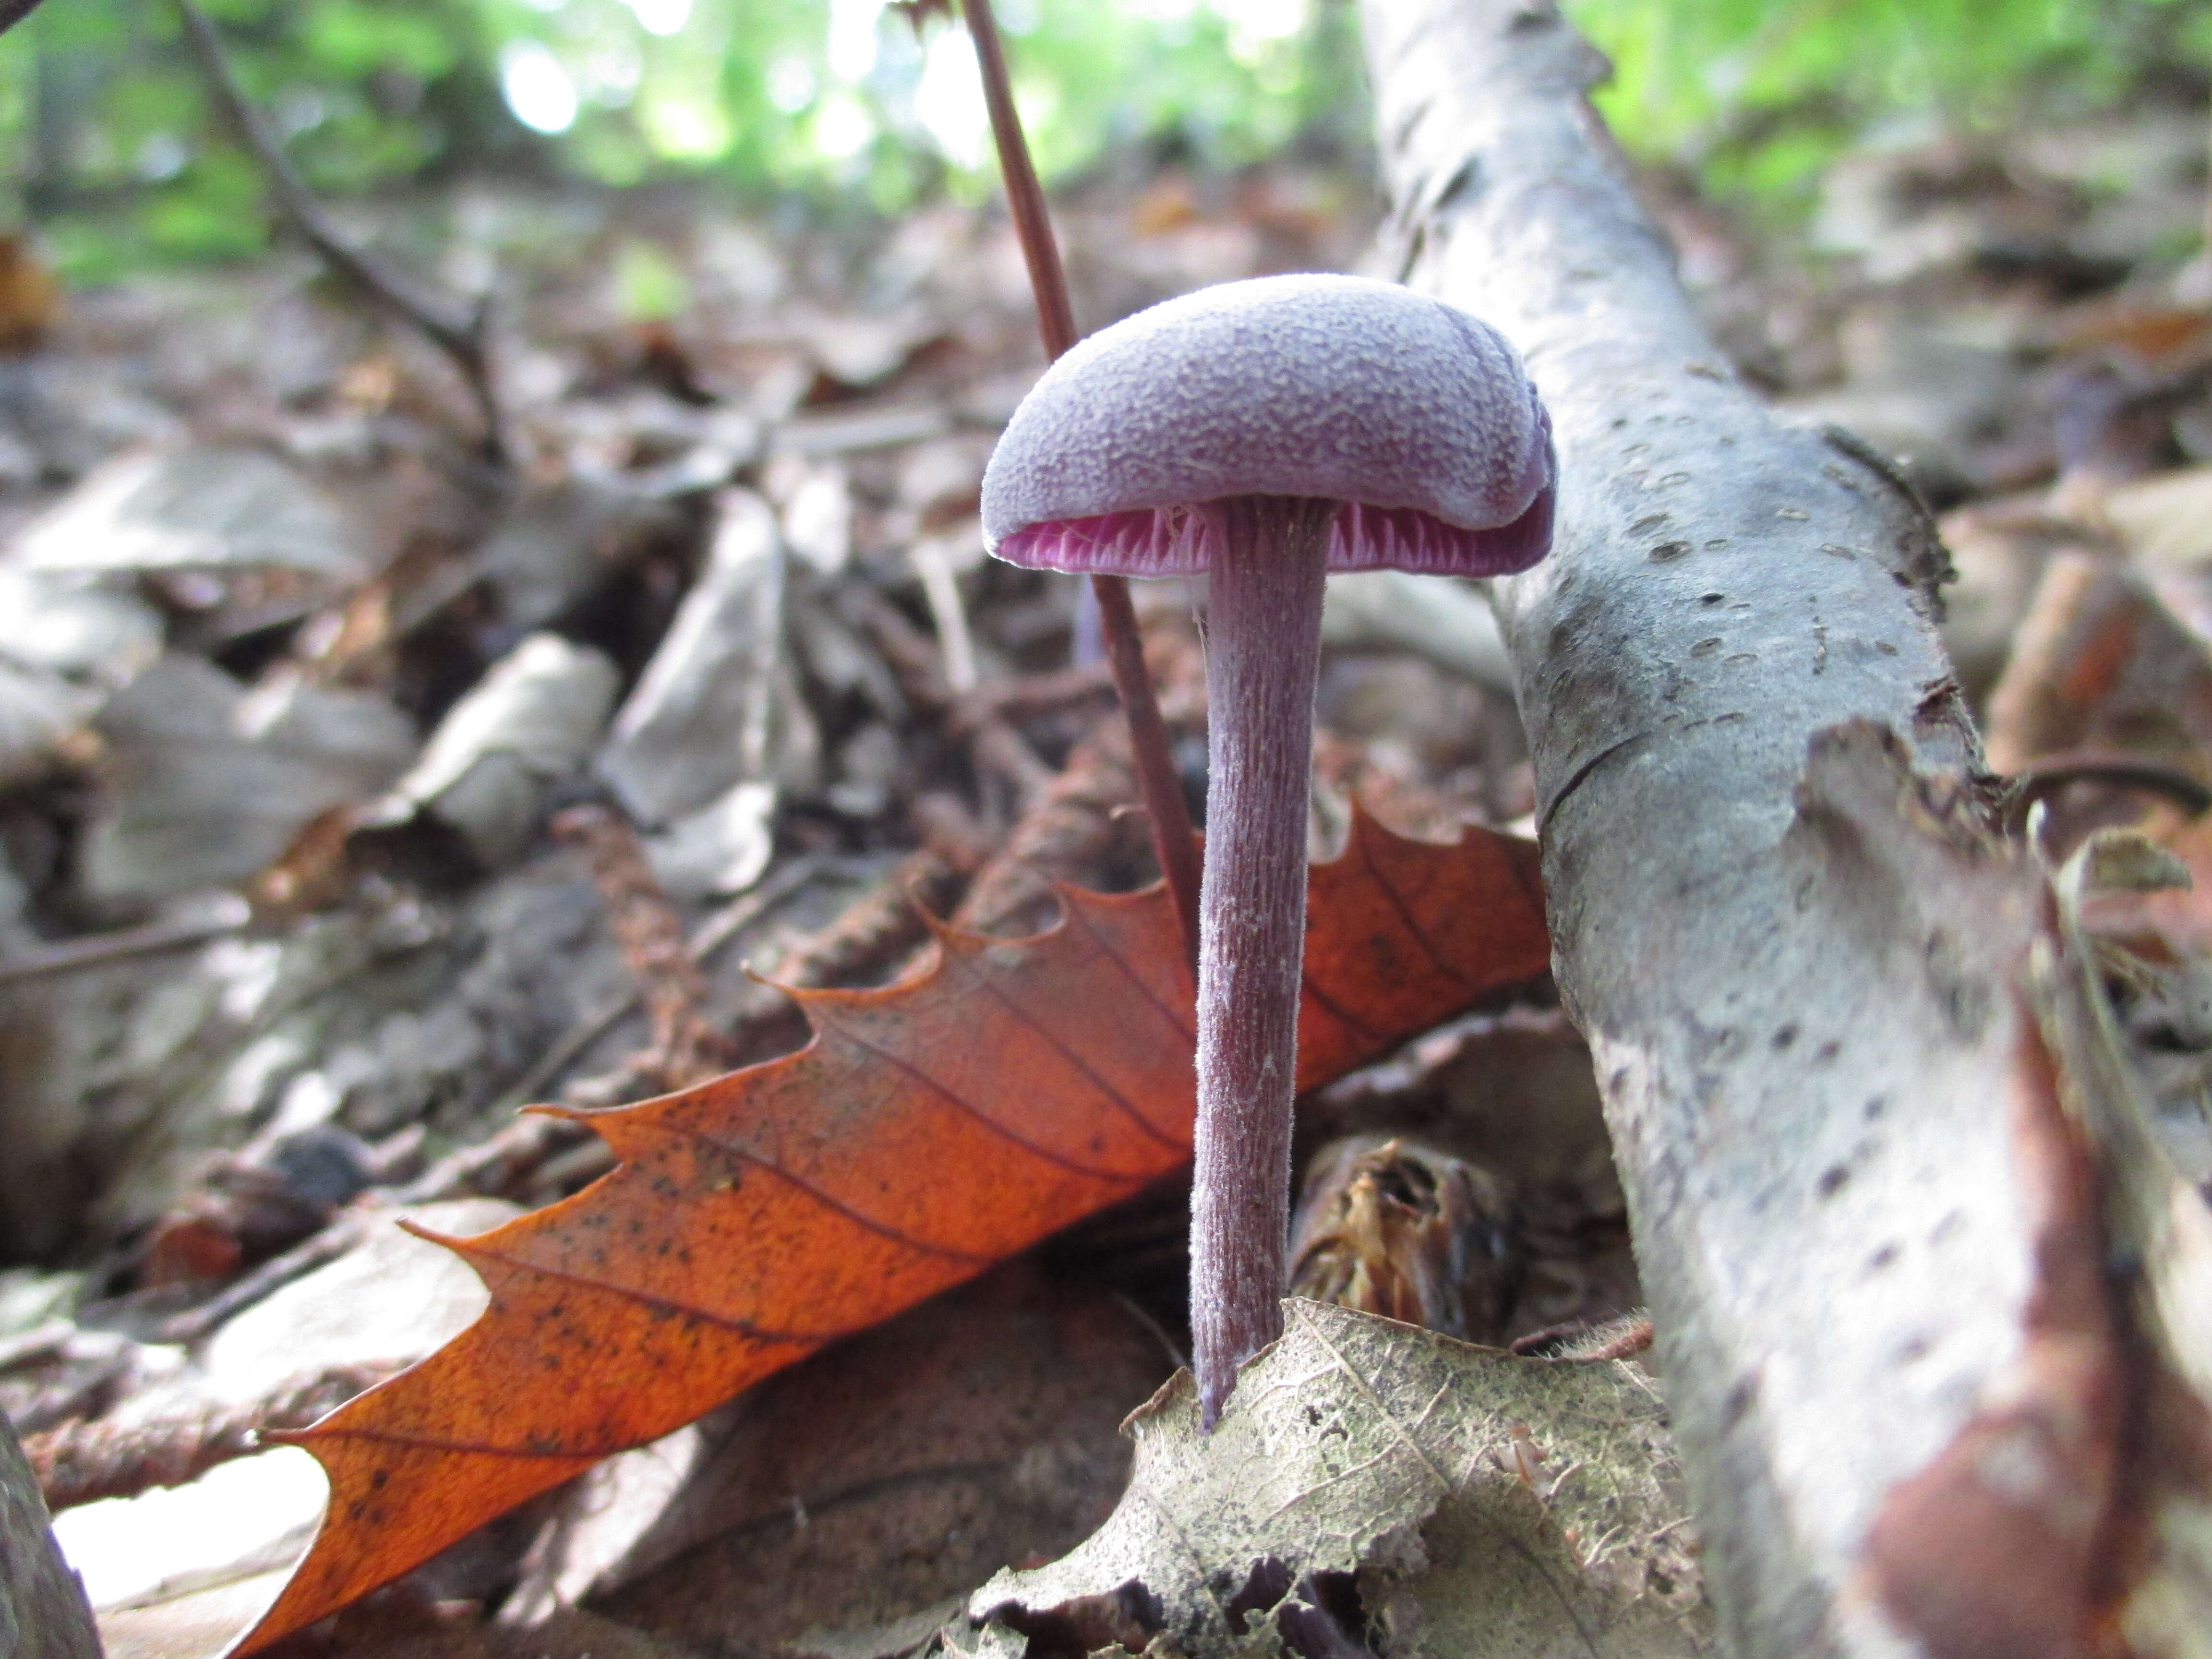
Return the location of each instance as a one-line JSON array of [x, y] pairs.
[[929, 1130]]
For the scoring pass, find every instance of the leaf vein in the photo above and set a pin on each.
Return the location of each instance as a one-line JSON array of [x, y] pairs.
[[1406, 918], [1120, 1099], [882, 1229], [1001, 1130]]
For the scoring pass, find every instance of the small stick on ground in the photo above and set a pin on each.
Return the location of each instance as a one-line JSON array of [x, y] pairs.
[[459, 330], [82, 1463], [99, 950], [684, 1048], [1031, 694], [1074, 824]]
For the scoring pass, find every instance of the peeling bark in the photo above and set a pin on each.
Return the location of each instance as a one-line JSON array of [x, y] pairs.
[[2003, 1546], [43, 1611], [1794, 955]]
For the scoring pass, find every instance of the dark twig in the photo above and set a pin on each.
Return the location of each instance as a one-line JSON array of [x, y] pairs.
[[81, 1463], [1158, 780], [2049, 773], [457, 329]]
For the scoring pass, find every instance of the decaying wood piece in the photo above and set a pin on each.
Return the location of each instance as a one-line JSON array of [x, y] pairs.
[[1792, 957], [43, 1611]]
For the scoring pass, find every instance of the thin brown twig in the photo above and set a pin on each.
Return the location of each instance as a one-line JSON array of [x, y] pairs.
[[877, 931], [459, 330], [880, 931], [1025, 195], [99, 950], [685, 1047], [81, 1463], [1076, 822], [1160, 784]]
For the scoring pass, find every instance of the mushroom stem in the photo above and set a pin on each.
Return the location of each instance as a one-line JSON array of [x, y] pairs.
[[1263, 645]]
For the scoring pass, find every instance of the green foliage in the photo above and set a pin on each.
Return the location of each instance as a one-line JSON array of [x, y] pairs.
[[650, 287], [102, 115], [349, 39], [1759, 94]]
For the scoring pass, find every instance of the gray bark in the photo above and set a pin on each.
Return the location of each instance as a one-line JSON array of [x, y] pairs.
[[1796, 996], [43, 1611]]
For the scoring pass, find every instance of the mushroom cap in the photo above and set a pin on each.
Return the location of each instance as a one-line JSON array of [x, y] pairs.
[[1417, 416]]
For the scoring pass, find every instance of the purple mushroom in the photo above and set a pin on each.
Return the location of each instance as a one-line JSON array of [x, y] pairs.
[[1261, 433]]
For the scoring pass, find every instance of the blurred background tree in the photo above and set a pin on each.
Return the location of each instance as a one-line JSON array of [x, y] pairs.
[[838, 105]]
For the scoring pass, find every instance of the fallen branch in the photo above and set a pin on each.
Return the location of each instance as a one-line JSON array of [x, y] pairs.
[[459, 330], [1793, 958]]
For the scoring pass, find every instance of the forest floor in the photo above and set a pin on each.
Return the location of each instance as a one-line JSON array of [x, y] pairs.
[[356, 792]]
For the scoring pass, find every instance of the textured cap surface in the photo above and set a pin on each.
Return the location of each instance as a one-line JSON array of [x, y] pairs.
[[1413, 413]]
